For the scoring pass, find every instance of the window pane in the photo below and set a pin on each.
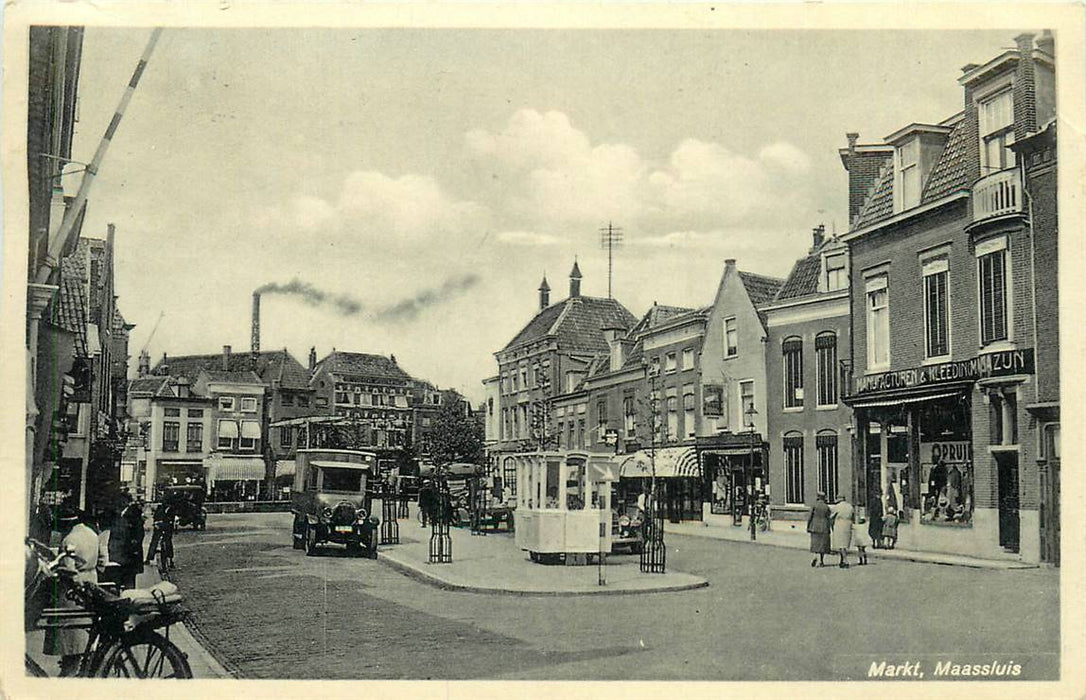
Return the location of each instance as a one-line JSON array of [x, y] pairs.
[[993, 297]]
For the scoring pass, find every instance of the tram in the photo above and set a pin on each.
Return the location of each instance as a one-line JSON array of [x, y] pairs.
[[563, 508]]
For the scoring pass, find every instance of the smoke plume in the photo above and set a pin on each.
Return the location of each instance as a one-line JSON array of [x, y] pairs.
[[346, 305]]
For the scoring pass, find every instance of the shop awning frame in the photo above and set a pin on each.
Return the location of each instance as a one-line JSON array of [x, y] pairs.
[[876, 403], [671, 462]]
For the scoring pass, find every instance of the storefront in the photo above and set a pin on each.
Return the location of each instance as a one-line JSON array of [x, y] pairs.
[[941, 449], [678, 480], [733, 467], [234, 478]]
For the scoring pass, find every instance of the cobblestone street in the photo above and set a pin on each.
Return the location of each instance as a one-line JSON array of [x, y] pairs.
[[269, 611]]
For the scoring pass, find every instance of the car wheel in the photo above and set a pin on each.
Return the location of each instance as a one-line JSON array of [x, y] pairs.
[[310, 535]]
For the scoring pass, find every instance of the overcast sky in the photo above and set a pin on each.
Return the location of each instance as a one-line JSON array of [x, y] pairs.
[[424, 180]]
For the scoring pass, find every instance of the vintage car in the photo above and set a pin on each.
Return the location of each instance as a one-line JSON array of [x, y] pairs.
[[626, 529], [331, 501], [188, 503]]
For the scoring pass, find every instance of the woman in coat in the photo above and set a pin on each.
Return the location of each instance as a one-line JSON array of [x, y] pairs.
[[818, 525], [874, 519], [841, 516]]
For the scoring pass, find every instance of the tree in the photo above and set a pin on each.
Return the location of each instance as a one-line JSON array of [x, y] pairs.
[[455, 436]]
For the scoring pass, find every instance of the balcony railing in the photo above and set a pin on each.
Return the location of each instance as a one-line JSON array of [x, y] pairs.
[[997, 194]]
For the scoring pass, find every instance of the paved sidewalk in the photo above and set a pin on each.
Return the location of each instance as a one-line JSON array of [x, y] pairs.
[[494, 564], [203, 664], [793, 534]]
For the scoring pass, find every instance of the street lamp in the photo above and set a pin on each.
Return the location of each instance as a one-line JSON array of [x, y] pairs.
[[750, 413]]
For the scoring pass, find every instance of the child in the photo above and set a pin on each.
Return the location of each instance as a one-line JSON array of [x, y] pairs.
[[889, 529], [861, 538]]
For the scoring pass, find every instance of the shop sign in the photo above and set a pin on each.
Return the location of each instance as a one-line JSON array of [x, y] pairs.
[[994, 364], [712, 404], [954, 452]]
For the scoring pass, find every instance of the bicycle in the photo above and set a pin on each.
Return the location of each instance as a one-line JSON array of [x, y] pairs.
[[123, 638]]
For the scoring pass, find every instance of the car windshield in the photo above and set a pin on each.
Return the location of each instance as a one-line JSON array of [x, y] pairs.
[[348, 480]]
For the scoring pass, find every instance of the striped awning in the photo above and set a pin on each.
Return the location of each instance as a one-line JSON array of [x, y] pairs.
[[908, 399], [250, 429], [228, 468], [228, 429], [671, 462]]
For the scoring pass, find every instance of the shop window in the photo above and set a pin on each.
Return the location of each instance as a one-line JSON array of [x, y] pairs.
[[792, 350], [826, 447], [826, 359], [171, 433], [688, 410], [936, 309], [878, 323], [996, 121], [731, 338], [194, 436], [946, 482], [793, 460], [992, 278]]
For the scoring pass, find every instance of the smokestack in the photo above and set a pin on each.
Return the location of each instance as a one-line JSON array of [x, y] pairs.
[[256, 323], [818, 235], [312, 359], [226, 358], [852, 137], [144, 365]]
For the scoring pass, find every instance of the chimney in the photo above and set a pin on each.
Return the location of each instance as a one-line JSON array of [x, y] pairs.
[[164, 367], [852, 137], [226, 358], [614, 346], [864, 165], [575, 281], [1047, 43], [729, 264], [544, 294], [392, 359], [818, 237], [312, 359], [256, 323], [1025, 89], [145, 364]]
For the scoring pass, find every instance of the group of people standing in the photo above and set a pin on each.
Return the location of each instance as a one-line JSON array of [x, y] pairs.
[[837, 528]]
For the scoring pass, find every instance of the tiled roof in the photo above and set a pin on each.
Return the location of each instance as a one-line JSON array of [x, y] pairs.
[[365, 364], [656, 315], [577, 323], [242, 377], [118, 321], [760, 289], [68, 308], [272, 365], [949, 175], [950, 172], [803, 279], [146, 385]]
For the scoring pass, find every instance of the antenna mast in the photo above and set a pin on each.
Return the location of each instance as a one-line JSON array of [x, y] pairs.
[[610, 238]]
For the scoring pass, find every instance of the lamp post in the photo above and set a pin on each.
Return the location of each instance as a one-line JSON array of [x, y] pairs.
[[750, 413]]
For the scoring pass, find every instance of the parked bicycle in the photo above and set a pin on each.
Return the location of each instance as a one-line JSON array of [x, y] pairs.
[[124, 637]]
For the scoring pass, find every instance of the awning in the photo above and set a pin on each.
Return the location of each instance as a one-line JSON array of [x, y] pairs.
[[598, 471], [284, 467], [250, 429], [903, 400], [225, 468], [671, 462], [340, 465], [228, 429]]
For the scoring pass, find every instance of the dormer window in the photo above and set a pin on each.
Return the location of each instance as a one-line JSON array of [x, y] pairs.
[[907, 175], [835, 275], [996, 121]]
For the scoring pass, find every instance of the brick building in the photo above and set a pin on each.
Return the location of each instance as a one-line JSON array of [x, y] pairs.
[[943, 326], [810, 437]]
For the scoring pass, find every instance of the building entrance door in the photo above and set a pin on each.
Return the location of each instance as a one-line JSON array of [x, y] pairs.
[[1007, 467]]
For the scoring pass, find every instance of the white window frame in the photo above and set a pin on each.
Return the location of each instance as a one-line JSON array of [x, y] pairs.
[[907, 162], [226, 403], [833, 374], [876, 282], [246, 402], [930, 267], [688, 359], [986, 247], [826, 286], [753, 400], [1004, 132], [690, 414], [671, 362], [797, 391], [788, 475], [728, 354]]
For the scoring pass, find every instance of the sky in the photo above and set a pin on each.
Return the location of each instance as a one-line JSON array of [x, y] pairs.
[[403, 191]]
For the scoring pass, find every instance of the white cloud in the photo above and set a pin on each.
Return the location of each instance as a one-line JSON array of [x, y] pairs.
[[528, 238], [786, 157], [409, 205]]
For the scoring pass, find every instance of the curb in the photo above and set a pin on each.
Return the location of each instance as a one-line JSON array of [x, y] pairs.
[[437, 582], [901, 555]]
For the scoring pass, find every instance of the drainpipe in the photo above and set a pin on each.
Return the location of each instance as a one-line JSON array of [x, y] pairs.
[[1032, 271]]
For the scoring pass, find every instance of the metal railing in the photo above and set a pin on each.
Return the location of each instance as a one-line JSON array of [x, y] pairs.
[[997, 194]]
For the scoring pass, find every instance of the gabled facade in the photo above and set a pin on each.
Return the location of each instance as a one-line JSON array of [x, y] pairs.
[[943, 321], [810, 439]]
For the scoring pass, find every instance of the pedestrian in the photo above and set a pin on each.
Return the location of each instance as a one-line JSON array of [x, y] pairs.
[[861, 537], [126, 542], [889, 529], [818, 525], [80, 543], [163, 535], [427, 499], [874, 515], [841, 514]]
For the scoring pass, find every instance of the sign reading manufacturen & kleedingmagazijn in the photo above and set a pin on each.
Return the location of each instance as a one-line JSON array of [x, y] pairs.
[[994, 364]]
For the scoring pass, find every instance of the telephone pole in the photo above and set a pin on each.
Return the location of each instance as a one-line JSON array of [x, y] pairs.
[[610, 238]]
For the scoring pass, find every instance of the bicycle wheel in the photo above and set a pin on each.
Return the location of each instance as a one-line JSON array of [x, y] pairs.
[[144, 655]]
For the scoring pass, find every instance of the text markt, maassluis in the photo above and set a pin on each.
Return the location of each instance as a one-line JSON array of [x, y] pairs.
[[994, 364]]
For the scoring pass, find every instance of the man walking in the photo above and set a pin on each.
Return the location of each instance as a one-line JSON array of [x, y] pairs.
[[163, 535]]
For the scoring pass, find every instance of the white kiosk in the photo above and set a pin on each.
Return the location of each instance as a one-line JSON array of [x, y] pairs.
[[563, 505]]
